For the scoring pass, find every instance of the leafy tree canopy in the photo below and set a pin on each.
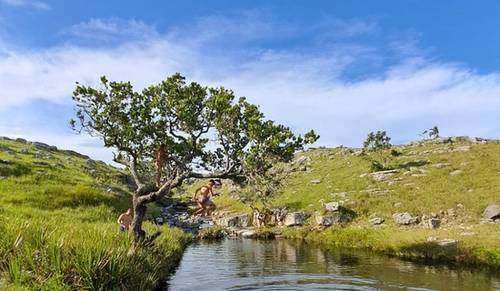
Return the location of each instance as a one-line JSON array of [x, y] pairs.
[[175, 130]]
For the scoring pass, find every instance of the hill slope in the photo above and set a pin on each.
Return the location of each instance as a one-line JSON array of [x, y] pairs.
[[57, 219], [453, 179]]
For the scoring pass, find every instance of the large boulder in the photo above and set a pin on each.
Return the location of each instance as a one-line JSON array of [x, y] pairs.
[[492, 211], [295, 218], [404, 218]]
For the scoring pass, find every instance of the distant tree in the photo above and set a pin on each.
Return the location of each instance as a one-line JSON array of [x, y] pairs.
[[174, 131], [432, 133], [377, 141], [375, 145]]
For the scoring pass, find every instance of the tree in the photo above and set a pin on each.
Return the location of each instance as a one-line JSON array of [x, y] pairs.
[[433, 132], [377, 143], [173, 131]]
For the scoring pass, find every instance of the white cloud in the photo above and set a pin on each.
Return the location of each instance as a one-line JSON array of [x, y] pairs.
[[26, 4], [305, 89]]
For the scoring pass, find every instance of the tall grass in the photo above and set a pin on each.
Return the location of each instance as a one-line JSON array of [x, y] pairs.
[[58, 229]]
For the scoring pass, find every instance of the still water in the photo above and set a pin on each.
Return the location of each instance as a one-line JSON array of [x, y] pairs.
[[294, 265]]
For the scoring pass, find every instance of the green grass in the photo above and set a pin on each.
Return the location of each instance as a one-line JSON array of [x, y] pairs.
[[58, 229], [420, 190]]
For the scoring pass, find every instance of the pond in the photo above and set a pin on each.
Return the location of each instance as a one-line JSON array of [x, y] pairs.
[[294, 265]]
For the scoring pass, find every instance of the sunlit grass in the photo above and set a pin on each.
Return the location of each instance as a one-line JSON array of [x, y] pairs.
[[58, 229]]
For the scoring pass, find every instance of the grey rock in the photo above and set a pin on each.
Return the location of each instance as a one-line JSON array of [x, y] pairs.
[[332, 206], [325, 220], [376, 220], [43, 146], [456, 173], [448, 243], [317, 181], [404, 218], [492, 211], [382, 175], [249, 234], [240, 220], [431, 223], [295, 218]]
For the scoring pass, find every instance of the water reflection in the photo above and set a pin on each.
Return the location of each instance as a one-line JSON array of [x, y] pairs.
[[294, 265]]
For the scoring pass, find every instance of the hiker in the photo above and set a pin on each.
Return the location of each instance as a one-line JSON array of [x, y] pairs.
[[203, 199], [124, 220]]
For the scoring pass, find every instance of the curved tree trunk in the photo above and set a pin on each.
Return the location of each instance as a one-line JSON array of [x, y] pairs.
[[139, 214]]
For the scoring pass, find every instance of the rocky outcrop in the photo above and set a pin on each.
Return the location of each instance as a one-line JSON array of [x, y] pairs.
[[295, 218], [43, 146], [492, 211], [404, 218]]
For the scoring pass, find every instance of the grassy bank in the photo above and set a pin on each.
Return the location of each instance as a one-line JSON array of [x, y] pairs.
[[453, 179], [58, 231]]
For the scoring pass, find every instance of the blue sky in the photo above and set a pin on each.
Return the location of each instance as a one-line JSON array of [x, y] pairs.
[[343, 68]]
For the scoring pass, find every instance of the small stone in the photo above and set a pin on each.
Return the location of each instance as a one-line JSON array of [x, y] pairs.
[[450, 212], [317, 181], [332, 206], [159, 220], [376, 221], [456, 173], [431, 223], [404, 218], [397, 204], [448, 243]]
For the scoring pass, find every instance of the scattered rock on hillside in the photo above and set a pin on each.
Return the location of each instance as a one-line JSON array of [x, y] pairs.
[[43, 146], [239, 220], [456, 173], [295, 218], [382, 175], [315, 182], [324, 220], [332, 206], [492, 211], [451, 212], [464, 148], [441, 165], [376, 221], [448, 243], [404, 218], [431, 223]]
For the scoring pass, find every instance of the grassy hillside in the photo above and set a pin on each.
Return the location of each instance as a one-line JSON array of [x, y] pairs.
[[455, 180], [57, 223]]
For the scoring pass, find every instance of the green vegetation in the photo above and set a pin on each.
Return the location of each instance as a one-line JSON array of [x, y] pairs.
[[438, 176], [58, 229], [173, 131]]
